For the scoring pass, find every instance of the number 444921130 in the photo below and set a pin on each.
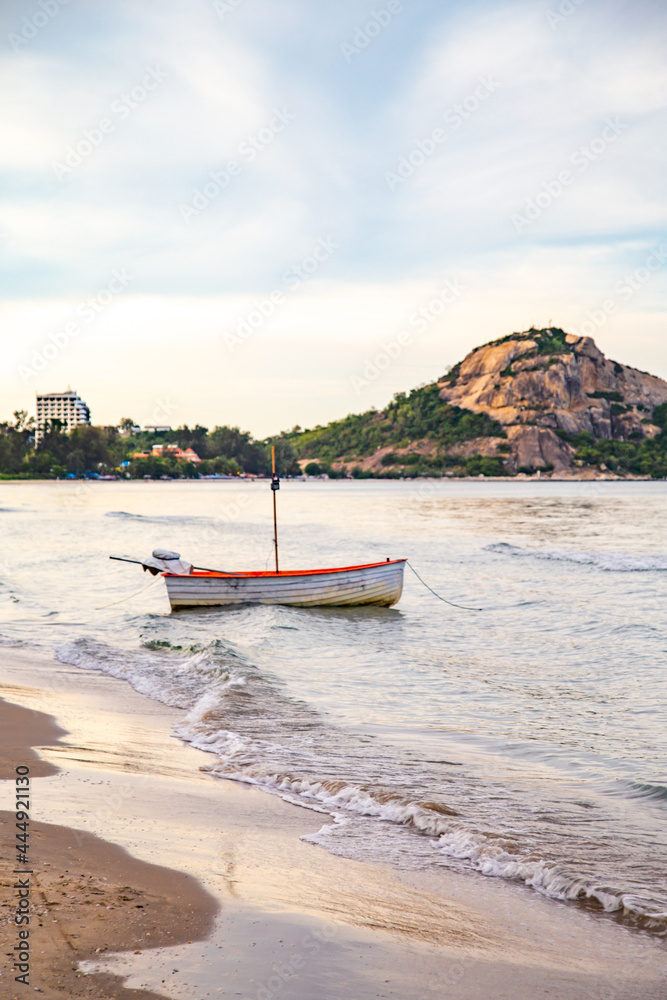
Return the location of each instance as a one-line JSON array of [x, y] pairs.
[[22, 815]]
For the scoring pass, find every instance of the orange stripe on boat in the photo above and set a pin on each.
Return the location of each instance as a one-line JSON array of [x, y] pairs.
[[200, 574]]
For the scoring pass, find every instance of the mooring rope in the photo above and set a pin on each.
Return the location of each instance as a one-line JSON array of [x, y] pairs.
[[129, 598], [462, 607]]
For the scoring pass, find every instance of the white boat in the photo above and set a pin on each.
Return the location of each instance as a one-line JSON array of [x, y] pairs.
[[188, 586], [379, 584]]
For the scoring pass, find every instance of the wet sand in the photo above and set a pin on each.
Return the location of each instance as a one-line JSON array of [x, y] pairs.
[[135, 851], [88, 896]]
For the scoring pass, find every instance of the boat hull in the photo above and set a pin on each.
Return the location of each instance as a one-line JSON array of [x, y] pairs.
[[379, 584]]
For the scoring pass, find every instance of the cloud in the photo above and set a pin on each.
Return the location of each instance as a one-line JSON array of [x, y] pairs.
[[550, 93], [549, 107]]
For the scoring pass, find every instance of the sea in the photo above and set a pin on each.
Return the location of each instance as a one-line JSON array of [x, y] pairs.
[[512, 727]]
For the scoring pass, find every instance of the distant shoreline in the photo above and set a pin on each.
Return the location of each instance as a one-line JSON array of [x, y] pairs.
[[519, 478]]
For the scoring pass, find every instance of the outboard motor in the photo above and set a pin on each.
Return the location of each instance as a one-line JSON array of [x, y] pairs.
[[165, 561]]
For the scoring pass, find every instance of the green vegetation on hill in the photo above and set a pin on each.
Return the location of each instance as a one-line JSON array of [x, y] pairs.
[[550, 343], [639, 457], [551, 340], [420, 414]]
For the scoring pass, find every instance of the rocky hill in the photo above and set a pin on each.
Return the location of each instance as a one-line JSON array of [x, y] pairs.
[[547, 389], [540, 401]]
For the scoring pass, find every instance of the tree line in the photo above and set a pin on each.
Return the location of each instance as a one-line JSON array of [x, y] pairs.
[[93, 451], [97, 451]]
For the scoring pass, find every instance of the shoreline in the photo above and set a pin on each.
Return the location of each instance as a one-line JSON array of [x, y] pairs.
[[90, 896], [519, 477], [294, 921]]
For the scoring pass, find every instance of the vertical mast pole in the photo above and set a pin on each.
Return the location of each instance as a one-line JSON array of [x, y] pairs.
[[275, 485]]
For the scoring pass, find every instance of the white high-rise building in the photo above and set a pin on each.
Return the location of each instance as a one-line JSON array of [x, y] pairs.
[[66, 407]]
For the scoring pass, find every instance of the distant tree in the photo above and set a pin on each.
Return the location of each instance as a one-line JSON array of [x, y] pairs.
[[196, 438], [54, 440], [22, 422], [16, 444], [286, 459], [89, 448], [659, 416], [220, 466], [232, 442], [154, 467]]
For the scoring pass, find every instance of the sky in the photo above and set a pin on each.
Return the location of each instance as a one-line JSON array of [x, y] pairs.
[[271, 213]]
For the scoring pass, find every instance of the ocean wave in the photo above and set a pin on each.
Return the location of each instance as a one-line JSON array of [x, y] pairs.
[[552, 878], [501, 855], [259, 735], [213, 646], [159, 518], [11, 641], [616, 562], [495, 855], [168, 677], [647, 790], [328, 795]]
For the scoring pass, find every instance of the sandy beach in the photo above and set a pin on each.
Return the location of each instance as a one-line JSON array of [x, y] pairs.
[[149, 871], [88, 896]]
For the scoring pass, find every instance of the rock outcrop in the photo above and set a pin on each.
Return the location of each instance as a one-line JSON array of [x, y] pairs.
[[540, 402], [541, 382]]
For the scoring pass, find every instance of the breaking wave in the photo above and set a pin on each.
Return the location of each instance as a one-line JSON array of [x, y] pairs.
[[260, 735], [646, 790], [492, 854], [159, 518], [171, 676], [618, 562]]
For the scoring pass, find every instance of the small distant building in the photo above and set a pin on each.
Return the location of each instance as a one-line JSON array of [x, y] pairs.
[[129, 431], [67, 407], [170, 451], [156, 429]]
